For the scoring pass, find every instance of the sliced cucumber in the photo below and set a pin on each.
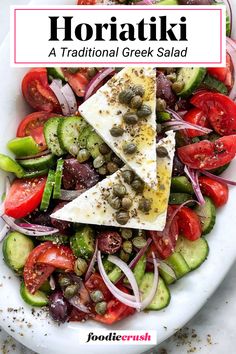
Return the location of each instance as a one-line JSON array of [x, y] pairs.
[[93, 143], [194, 252], [58, 178], [68, 132], [82, 242], [162, 296], [192, 78], [46, 288], [211, 83], [168, 278], [167, 2], [115, 274], [177, 262], [207, 215], [180, 198], [57, 239], [33, 174], [16, 249], [219, 170], [47, 191], [9, 165], [24, 146], [39, 163], [181, 184], [51, 137], [38, 299], [56, 73], [139, 269], [84, 135]]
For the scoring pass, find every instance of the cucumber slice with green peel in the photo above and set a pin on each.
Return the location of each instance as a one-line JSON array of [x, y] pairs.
[[139, 269], [25, 146], [16, 249], [167, 2], [194, 252], [33, 174], [181, 184], [47, 191], [219, 170], [84, 135], [56, 73], [58, 179], [38, 299], [166, 276], [180, 198], [82, 242], [162, 296], [57, 239], [115, 274], [46, 288], [207, 215], [38, 163], [51, 137], [192, 78], [68, 132], [177, 262], [211, 83], [93, 143], [9, 165]]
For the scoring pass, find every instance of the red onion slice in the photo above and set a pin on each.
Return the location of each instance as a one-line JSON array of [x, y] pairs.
[[231, 49], [52, 282], [144, 2], [167, 269], [193, 176], [96, 80], [218, 178], [153, 290], [36, 227], [4, 232], [92, 262], [61, 98], [70, 195], [70, 98]]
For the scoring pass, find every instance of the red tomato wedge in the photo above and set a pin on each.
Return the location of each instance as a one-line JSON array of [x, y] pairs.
[[217, 191], [32, 125], [223, 74], [60, 257], [77, 81], [24, 196], [189, 223], [36, 274], [116, 310], [198, 117], [208, 155], [37, 93], [95, 282], [219, 109], [86, 2]]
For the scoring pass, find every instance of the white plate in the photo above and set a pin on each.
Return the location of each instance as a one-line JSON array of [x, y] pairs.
[[189, 294]]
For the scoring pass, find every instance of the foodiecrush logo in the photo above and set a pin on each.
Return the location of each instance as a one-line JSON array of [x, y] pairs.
[[141, 337], [118, 36]]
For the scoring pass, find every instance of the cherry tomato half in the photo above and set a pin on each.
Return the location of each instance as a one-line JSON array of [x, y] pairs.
[[86, 2], [217, 191], [208, 155], [219, 109], [198, 117], [36, 274], [189, 223], [79, 80], [24, 196], [58, 256], [95, 282], [223, 74], [37, 93], [32, 125]]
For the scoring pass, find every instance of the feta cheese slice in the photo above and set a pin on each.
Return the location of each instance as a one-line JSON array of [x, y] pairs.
[[104, 111], [92, 206]]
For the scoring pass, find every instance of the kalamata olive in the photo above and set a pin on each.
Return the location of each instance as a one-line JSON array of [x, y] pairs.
[[58, 307], [65, 227], [77, 174], [109, 242], [164, 89], [195, 2], [40, 218], [178, 167]]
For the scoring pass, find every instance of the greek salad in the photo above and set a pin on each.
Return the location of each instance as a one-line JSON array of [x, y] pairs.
[[115, 183]]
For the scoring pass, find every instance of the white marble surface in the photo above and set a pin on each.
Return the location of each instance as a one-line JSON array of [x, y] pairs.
[[212, 330]]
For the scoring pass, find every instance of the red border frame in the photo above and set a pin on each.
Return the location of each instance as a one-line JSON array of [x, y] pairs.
[[114, 63]]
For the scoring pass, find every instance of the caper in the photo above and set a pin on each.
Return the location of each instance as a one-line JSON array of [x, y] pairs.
[[139, 242], [101, 307], [117, 160], [70, 291], [130, 118], [126, 203], [99, 161], [91, 72], [64, 281], [138, 90], [144, 111], [122, 217], [116, 131], [80, 266], [145, 205], [160, 105], [136, 102], [112, 167], [74, 150], [128, 176], [119, 190], [124, 256], [96, 296], [161, 151], [114, 202], [137, 185], [126, 233], [158, 128], [83, 155], [177, 86], [127, 247], [126, 96], [102, 170], [73, 70], [172, 77], [130, 148], [104, 149]]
